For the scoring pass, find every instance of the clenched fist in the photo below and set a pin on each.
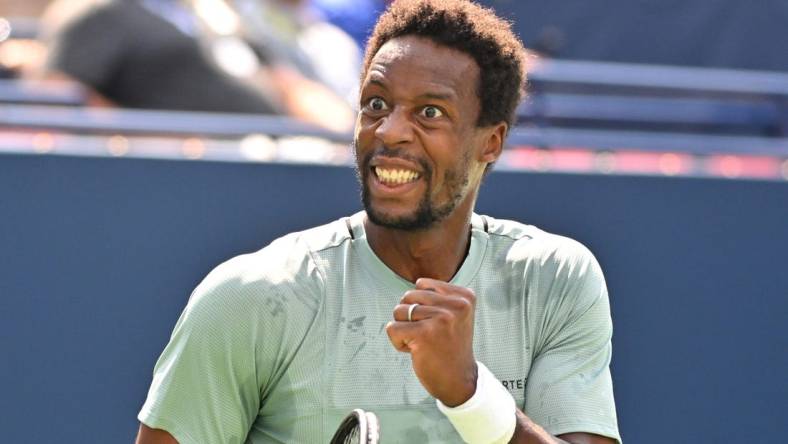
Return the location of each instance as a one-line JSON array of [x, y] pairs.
[[439, 338]]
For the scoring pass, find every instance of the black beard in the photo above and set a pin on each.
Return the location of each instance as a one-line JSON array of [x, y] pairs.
[[427, 214]]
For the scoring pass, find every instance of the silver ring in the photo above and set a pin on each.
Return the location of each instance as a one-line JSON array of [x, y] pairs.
[[410, 311]]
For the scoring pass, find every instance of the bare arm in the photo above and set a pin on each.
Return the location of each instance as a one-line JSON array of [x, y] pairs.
[[92, 97], [309, 100], [147, 435]]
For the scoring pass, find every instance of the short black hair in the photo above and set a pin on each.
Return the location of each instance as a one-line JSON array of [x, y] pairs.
[[472, 29]]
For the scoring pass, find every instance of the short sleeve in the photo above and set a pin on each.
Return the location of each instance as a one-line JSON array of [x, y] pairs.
[[204, 385], [569, 387], [89, 46], [234, 340]]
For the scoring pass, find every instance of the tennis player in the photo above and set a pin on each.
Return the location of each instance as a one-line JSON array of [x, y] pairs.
[[450, 325]]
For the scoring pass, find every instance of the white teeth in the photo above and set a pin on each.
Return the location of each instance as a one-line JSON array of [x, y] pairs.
[[396, 177]]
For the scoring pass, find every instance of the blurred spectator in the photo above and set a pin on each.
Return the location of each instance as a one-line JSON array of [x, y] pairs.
[[178, 55], [315, 81], [295, 34], [142, 54]]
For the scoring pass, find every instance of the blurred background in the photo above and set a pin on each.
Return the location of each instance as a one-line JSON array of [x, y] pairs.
[[142, 142]]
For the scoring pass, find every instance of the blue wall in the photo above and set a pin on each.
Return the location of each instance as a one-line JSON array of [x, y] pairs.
[[98, 257]]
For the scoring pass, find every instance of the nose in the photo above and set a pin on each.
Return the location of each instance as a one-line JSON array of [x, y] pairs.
[[395, 128]]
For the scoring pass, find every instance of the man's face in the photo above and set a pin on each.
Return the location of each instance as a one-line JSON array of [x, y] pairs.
[[416, 139]]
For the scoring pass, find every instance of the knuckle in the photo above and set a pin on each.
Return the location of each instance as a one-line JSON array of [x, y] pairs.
[[407, 296], [470, 295], [463, 306], [420, 282], [390, 329], [444, 318]]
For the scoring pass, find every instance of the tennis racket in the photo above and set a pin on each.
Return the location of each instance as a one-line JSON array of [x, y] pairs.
[[359, 427]]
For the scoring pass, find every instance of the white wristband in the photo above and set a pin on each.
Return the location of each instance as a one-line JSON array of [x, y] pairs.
[[489, 416]]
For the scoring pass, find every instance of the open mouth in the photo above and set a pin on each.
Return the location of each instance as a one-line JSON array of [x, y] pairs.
[[395, 176]]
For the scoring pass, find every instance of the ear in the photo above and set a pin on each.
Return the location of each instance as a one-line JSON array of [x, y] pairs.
[[493, 143]]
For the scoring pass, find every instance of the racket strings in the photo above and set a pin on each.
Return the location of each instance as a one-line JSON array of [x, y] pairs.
[[359, 427], [354, 436]]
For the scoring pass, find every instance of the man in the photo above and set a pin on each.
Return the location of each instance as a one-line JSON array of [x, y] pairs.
[[177, 55], [500, 332], [143, 54]]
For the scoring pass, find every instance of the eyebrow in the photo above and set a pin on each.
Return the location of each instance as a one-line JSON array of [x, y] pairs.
[[442, 96], [446, 97], [377, 82]]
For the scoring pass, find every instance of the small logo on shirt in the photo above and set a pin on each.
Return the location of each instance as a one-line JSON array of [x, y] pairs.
[[514, 384]]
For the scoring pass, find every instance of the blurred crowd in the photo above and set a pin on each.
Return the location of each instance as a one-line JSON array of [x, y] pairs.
[[299, 58]]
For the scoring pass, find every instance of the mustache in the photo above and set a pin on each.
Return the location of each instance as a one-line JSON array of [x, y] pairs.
[[392, 153]]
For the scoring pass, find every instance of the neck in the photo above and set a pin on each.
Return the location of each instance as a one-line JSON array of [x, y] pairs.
[[436, 252]]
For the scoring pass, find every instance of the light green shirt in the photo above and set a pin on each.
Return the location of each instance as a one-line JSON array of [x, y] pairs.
[[278, 345]]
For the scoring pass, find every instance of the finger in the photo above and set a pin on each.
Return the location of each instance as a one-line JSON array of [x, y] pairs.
[[445, 288], [423, 297], [436, 285], [419, 313], [454, 303]]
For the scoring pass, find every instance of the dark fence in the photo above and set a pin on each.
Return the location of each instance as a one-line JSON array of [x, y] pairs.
[[98, 257]]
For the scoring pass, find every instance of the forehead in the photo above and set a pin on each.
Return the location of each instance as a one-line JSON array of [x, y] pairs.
[[413, 62]]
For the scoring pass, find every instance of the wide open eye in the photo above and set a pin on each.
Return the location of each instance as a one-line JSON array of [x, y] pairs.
[[377, 104], [431, 112]]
